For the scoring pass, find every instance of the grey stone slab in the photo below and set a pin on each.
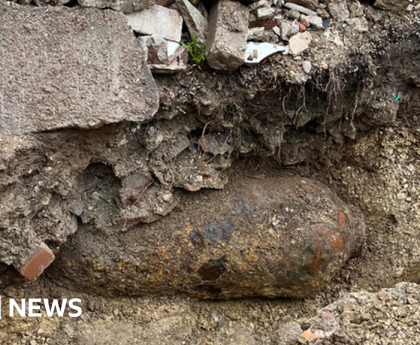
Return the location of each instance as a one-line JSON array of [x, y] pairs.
[[227, 35], [195, 21], [126, 6], [70, 68], [158, 21]]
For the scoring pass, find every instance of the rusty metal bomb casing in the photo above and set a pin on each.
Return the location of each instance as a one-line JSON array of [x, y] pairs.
[[277, 237]]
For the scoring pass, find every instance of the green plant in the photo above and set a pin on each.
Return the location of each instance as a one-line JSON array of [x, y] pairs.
[[196, 51]]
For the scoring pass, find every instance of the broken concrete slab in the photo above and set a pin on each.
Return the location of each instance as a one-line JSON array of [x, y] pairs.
[[265, 13], [256, 34], [226, 242], [256, 52], [164, 56], [258, 4], [314, 21], [125, 6], [299, 43], [392, 5], [91, 68], [227, 35], [301, 9], [339, 10], [150, 22], [195, 21]]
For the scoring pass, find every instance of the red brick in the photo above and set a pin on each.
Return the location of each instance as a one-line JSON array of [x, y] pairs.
[[37, 263], [302, 27]]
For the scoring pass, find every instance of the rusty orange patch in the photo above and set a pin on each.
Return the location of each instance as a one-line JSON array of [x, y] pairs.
[[317, 261], [341, 219], [333, 238]]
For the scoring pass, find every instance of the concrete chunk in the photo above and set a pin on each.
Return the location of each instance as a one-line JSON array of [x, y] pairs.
[[126, 6], [164, 56], [70, 68], [195, 21], [159, 21], [227, 35], [301, 9], [265, 13], [299, 43]]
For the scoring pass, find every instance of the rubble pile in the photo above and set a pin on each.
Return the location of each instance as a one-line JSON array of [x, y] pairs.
[[389, 316]]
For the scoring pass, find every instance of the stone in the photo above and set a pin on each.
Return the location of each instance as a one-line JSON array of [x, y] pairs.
[[294, 29], [47, 2], [255, 34], [276, 237], [91, 72], [285, 30], [265, 13], [311, 4], [256, 52], [258, 4], [314, 22], [37, 262], [338, 10], [195, 21], [288, 334], [358, 24], [293, 14], [307, 66], [299, 8], [125, 6], [356, 9], [277, 31], [149, 22], [299, 43], [227, 35], [164, 56], [323, 325], [392, 5]]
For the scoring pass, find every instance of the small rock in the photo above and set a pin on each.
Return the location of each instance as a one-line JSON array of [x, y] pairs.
[[338, 10], [358, 24], [164, 56], [299, 43], [410, 8], [255, 34], [293, 14], [258, 4], [195, 21], [356, 9], [307, 66], [294, 29], [265, 13], [149, 22], [315, 22], [285, 30], [277, 31], [256, 52], [392, 5], [299, 8], [227, 35], [288, 334]]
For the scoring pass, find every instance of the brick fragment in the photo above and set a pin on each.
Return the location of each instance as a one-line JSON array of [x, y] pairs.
[[37, 263]]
